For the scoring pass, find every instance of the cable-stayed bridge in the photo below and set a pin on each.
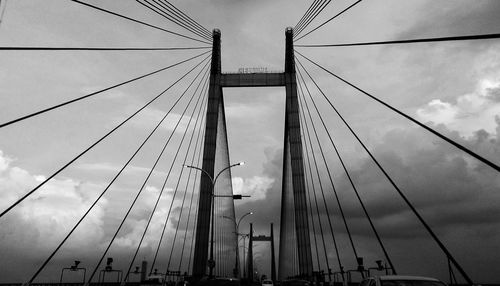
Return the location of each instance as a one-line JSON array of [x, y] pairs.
[[196, 185]]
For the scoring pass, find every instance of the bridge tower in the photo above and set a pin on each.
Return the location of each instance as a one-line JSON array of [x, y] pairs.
[[293, 166], [214, 110], [252, 239], [293, 184]]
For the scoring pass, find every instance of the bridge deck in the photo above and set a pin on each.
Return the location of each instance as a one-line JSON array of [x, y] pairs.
[[252, 79]]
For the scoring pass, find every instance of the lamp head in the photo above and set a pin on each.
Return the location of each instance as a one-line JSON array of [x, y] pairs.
[[359, 260], [75, 267], [360, 263], [241, 163]]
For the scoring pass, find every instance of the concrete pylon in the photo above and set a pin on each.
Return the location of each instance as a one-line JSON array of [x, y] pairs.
[[293, 164], [293, 161], [200, 258]]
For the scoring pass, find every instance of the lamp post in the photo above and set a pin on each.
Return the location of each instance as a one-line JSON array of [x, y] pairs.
[[211, 263], [136, 271], [74, 268], [244, 235], [236, 266], [109, 268]]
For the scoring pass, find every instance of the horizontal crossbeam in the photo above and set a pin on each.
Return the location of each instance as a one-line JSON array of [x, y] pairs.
[[261, 238], [252, 79]]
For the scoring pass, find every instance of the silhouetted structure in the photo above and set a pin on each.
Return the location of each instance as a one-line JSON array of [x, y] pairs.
[[293, 184]]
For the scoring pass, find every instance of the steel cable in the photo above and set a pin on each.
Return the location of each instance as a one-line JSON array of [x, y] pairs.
[[160, 9], [165, 15], [305, 151], [307, 13], [318, 4], [137, 21], [312, 220], [91, 146], [410, 41], [188, 19], [307, 136], [402, 195], [143, 185], [162, 190], [104, 191], [96, 92], [445, 138], [191, 200], [104, 49], [185, 19], [328, 169], [170, 208], [382, 246], [327, 21], [193, 233], [187, 182], [312, 19]]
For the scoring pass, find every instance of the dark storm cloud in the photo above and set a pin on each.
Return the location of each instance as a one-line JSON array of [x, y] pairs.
[[268, 210], [494, 94], [455, 194], [447, 187]]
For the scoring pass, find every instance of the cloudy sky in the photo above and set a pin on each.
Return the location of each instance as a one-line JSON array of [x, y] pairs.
[[453, 87]]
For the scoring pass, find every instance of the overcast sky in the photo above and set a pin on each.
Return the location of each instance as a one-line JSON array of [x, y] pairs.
[[453, 87]]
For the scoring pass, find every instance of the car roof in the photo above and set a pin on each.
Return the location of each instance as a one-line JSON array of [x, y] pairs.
[[406, 277]]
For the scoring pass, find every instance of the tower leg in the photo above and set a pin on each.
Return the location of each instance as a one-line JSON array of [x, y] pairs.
[[292, 126], [273, 262], [250, 255], [204, 206]]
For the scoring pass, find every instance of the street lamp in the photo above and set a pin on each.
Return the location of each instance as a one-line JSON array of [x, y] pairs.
[[244, 258], [236, 266], [213, 180], [74, 268], [109, 268], [136, 271]]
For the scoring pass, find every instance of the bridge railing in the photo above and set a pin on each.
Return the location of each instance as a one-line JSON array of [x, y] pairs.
[[253, 70]]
